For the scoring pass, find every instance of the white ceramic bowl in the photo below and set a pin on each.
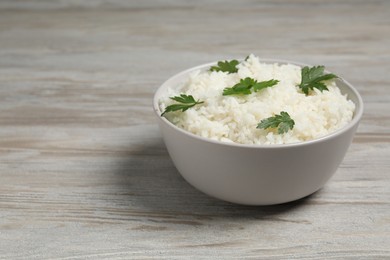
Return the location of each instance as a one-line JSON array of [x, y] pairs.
[[256, 174]]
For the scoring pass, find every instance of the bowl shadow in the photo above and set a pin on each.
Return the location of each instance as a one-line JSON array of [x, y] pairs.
[[153, 185]]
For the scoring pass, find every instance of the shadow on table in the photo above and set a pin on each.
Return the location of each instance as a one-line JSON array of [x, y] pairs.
[[155, 186]]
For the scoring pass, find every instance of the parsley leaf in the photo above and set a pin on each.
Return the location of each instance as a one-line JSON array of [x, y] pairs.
[[265, 84], [186, 103], [245, 85], [283, 122], [312, 78], [226, 66]]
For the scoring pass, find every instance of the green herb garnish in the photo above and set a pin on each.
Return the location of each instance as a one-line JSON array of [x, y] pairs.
[[186, 103], [313, 77], [265, 84], [283, 122], [226, 66], [245, 85]]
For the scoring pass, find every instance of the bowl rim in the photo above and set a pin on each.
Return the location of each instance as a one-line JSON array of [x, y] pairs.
[[355, 120]]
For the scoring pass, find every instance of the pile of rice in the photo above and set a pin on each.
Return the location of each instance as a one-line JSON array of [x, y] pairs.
[[234, 118]]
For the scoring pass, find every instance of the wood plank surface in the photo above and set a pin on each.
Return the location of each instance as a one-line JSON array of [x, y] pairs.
[[84, 173]]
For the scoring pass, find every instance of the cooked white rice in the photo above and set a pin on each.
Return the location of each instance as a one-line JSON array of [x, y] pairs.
[[234, 118]]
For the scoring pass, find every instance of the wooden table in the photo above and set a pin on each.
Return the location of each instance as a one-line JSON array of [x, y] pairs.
[[84, 173]]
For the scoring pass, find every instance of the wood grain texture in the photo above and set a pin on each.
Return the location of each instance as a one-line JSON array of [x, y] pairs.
[[84, 173]]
